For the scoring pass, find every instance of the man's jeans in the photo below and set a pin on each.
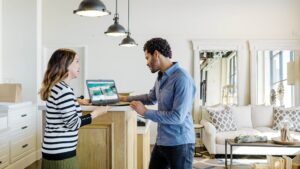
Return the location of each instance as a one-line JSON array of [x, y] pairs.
[[173, 157]]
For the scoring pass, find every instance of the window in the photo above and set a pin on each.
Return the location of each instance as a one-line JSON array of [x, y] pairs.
[[278, 75], [232, 70]]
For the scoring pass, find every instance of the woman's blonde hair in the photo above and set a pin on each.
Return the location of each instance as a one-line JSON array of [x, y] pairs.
[[57, 70]]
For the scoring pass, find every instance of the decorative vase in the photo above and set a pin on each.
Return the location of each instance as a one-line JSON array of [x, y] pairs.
[[280, 93], [273, 97]]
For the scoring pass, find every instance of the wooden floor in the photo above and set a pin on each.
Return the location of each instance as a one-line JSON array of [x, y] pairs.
[[35, 165], [38, 164]]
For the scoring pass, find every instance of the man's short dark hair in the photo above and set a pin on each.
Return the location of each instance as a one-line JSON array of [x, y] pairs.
[[159, 44]]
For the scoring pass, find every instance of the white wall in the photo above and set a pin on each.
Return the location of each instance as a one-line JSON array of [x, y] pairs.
[[178, 21], [20, 45]]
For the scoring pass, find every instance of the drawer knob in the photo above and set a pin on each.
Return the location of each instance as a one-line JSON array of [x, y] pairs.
[[0, 162], [24, 127], [23, 115], [25, 145]]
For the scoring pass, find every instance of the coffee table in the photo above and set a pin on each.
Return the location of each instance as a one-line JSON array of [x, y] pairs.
[[270, 143]]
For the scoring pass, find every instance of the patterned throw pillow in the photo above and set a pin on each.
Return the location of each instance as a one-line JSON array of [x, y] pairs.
[[222, 120], [292, 115]]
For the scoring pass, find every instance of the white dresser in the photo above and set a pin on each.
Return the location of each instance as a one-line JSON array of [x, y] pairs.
[[18, 135]]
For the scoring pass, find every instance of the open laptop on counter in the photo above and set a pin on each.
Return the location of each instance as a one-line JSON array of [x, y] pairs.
[[104, 92]]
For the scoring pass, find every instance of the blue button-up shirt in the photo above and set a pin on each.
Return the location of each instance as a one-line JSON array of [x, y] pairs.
[[174, 91]]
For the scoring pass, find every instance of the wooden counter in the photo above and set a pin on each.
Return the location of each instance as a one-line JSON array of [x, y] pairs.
[[143, 143], [110, 142]]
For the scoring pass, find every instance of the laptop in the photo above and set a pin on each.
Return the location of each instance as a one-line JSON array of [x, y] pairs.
[[104, 92]]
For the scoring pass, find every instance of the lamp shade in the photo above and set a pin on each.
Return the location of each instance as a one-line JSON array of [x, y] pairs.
[[291, 73], [128, 41], [116, 29], [91, 8]]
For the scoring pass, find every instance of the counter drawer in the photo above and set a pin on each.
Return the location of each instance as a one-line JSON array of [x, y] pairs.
[[4, 149], [4, 160], [22, 129], [4, 155], [22, 147], [19, 116]]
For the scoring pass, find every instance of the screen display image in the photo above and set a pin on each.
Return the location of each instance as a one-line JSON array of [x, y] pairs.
[[102, 90]]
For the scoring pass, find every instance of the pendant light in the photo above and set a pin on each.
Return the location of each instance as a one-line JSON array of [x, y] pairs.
[[91, 8], [128, 41], [116, 29]]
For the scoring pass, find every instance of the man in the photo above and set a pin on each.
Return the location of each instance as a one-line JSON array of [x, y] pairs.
[[174, 91]]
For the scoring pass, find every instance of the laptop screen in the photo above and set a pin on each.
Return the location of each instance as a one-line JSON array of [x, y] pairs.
[[102, 91]]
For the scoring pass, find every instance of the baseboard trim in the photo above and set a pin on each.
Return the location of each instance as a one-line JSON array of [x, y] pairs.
[[25, 161]]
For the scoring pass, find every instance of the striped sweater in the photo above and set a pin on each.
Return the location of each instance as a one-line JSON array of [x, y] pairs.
[[63, 119]]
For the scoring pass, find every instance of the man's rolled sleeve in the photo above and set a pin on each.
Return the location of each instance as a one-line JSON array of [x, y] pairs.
[[150, 114]]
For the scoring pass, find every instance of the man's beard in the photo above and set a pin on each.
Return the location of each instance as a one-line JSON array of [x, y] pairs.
[[154, 66], [153, 70]]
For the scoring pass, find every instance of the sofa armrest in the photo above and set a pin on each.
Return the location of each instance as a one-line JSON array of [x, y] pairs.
[[209, 136], [209, 127]]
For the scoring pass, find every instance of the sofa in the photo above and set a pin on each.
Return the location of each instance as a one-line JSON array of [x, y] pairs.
[[250, 120]]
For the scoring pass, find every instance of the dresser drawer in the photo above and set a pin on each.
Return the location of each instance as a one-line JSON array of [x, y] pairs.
[[4, 155], [4, 141], [19, 116], [21, 147]]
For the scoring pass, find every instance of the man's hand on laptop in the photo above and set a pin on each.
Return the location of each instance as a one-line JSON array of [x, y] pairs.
[[99, 110], [83, 101], [123, 98], [138, 107]]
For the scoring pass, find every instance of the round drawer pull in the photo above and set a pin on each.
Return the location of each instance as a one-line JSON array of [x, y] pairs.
[[23, 115], [25, 145], [0, 162], [24, 127]]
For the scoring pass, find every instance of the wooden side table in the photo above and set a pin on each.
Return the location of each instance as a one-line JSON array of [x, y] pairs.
[[199, 143]]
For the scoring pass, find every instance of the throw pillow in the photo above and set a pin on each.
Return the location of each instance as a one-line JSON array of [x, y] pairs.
[[262, 116], [222, 120], [205, 109], [281, 114], [242, 116]]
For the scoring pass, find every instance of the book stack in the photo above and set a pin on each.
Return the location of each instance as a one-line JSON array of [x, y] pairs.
[[283, 162], [261, 166]]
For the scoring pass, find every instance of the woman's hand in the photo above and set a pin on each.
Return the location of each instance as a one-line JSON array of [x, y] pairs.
[[100, 110], [83, 101]]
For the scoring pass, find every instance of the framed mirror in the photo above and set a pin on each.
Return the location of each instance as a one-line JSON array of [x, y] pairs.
[[218, 77], [221, 69], [275, 72]]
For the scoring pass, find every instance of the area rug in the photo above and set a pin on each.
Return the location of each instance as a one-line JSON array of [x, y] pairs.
[[206, 163]]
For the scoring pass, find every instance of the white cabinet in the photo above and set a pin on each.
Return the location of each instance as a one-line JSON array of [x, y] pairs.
[[18, 135]]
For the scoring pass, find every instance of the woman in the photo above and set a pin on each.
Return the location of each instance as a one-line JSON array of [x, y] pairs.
[[63, 117]]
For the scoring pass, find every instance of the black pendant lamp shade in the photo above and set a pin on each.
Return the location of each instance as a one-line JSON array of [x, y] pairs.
[[91, 8], [116, 29], [128, 41]]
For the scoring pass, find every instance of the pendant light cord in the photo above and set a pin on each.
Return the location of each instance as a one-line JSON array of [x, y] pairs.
[[128, 18], [116, 14], [116, 6]]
